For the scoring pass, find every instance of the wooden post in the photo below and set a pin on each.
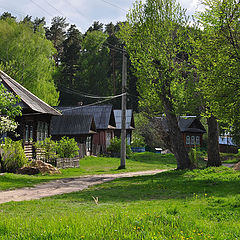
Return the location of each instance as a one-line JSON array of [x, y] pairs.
[[124, 105]]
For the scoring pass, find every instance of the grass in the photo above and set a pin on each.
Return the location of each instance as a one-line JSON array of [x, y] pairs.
[[199, 204], [230, 157], [93, 165]]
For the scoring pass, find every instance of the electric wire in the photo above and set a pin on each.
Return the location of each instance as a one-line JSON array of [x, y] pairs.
[[114, 5], [86, 95], [41, 8], [91, 104]]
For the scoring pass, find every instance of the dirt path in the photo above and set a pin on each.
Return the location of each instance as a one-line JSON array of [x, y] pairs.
[[65, 185]]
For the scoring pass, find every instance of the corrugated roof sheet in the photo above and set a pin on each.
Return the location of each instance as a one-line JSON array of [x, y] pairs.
[[29, 100], [72, 125], [129, 119], [103, 114]]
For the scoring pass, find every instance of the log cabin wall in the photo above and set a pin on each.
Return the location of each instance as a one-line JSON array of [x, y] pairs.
[[28, 131]]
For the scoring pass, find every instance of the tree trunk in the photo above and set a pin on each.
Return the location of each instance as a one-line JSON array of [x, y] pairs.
[[213, 143], [176, 138]]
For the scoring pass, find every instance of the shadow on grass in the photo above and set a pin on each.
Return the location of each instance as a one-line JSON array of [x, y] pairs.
[[168, 185], [153, 158]]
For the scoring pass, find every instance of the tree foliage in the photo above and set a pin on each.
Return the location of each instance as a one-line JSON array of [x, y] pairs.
[[156, 38], [217, 58], [27, 57]]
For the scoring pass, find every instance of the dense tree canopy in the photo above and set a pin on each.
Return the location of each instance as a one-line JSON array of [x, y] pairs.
[[27, 57], [155, 37]]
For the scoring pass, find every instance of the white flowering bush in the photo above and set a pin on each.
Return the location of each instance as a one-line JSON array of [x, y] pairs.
[[7, 125]]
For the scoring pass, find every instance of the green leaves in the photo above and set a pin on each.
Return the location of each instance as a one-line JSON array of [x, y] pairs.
[[27, 57]]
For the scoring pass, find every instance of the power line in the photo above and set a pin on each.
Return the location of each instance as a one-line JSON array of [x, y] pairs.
[[88, 105], [80, 13], [114, 5], [89, 95], [41, 8], [71, 20]]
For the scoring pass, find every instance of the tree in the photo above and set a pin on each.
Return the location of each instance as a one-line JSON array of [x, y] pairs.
[[94, 63], [8, 111], [71, 56], [155, 36], [28, 58], [216, 57], [57, 34]]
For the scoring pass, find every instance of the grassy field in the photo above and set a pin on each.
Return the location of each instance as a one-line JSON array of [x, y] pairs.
[[199, 204], [94, 165]]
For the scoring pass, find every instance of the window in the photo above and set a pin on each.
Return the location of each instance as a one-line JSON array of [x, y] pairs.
[[26, 133], [88, 144], [108, 138], [197, 140], [42, 131], [188, 140], [192, 140]]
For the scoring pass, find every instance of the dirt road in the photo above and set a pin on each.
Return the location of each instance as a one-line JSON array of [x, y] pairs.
[[65, 185]]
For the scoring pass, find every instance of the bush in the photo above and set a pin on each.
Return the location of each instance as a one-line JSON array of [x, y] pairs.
[[47, 147], [115, 147], [196, 155], [67, 148], [13, 156], [137, 141]]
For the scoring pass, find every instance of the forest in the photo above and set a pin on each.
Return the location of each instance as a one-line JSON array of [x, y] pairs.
[[60, 64]]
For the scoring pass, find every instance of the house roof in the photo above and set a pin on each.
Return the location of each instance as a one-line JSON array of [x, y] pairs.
[[28, 99], [129, 119], [103, 114], [72, 125], [186, 124], [225, 140]]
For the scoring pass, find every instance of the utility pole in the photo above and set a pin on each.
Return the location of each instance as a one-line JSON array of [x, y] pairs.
[[124, 105]]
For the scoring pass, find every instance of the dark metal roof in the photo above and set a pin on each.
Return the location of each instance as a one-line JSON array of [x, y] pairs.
[[103, 114], [72, 125], [28, 100], [186, 124], [129, 119]]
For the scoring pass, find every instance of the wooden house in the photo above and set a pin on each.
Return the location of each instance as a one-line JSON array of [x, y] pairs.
[[36, 115], [130, 125], [105, 124], [191, 128], [192, 131], [80, 127], [227, 145]]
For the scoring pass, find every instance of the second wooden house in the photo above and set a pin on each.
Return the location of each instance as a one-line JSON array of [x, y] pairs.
[[105, 124]]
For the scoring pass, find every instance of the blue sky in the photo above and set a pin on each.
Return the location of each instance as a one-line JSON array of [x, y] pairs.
[[79, 12]]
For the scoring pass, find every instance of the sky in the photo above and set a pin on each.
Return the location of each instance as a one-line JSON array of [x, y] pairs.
[[82, 13]]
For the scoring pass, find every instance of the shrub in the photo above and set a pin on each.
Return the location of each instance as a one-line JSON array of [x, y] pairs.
[[13, 156], [67, 148], [196, 155], [137, 141], [47, 147], [115, 146]]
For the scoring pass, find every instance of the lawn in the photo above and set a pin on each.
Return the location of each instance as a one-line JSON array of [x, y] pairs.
[[230, 157], [199, 204], [94, 165]]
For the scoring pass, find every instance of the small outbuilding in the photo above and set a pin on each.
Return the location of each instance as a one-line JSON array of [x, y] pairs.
[[104, 120], [80, 127]]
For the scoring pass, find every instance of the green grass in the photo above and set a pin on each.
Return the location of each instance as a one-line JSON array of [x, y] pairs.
[[199, 204], [230, 157], [93, 165]]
